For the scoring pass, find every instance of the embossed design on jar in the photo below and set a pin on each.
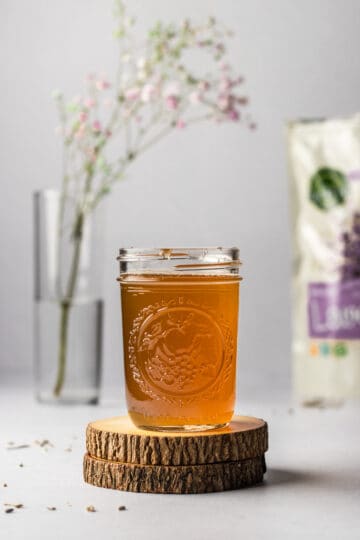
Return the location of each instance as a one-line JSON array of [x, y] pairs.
[[179, 351]]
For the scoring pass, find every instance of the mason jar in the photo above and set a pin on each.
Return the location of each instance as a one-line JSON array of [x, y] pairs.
[[180, 320]]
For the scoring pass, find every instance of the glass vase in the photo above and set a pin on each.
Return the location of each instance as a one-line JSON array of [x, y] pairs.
[[68, 306]]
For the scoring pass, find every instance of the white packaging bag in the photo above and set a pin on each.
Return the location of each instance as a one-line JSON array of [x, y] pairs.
[[324, 159]]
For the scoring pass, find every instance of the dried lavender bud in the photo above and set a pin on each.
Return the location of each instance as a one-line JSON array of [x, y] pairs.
[[14, 505], [43, 443], [122, 508], [345, 237], [52, 508], [91, 508], [351, 251], [316, 402], [21, 464], [5, 485], [18, 447], [9, 510]]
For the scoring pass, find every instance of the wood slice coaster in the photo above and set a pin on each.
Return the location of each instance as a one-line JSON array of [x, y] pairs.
[[204, 478], [121, 456], [117, 439]]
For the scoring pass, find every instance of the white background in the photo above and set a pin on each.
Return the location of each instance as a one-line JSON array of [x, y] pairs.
[[206, 185]]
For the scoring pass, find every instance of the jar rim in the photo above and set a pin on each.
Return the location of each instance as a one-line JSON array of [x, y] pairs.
[[219, 254]]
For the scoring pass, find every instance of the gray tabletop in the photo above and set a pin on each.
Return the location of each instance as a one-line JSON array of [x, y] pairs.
[[312, 487]]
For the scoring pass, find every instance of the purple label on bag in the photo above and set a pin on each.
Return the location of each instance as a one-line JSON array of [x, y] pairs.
[[334, 310]]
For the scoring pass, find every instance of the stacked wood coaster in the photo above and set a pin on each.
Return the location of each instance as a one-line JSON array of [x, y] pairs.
[[121, 456]]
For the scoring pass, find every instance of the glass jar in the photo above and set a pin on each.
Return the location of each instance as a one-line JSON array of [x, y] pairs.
[[180, 319]]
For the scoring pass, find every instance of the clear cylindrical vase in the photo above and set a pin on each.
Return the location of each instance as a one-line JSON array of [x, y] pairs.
[[67, 302]]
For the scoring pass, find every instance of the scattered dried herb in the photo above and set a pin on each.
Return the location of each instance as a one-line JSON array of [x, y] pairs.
[[52, 508], [318, 403], [68, 449], [14, 505], [17, 447], [21, 464], [44, 443], [9, 510], [91, 508], [122, 508], [5, 485]]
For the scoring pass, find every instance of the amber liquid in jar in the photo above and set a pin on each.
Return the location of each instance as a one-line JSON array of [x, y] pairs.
[[180, 343]]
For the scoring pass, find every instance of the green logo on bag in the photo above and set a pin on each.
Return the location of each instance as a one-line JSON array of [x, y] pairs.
[[328, 188], [340, 349]]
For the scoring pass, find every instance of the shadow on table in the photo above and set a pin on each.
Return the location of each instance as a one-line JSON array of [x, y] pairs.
[[340, 480], [275, 477]]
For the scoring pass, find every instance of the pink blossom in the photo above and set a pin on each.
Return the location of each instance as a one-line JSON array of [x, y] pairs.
[[203, 86], [131, 94], [79, 134], [194, 98], [225, 84], [233, 115], [180, 124], [224, 103], [148, 92], [172, 102], [102, 84], [96, 125], [90, 77], [224, 66], [89, 103], [172, 89], [83, 116]]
